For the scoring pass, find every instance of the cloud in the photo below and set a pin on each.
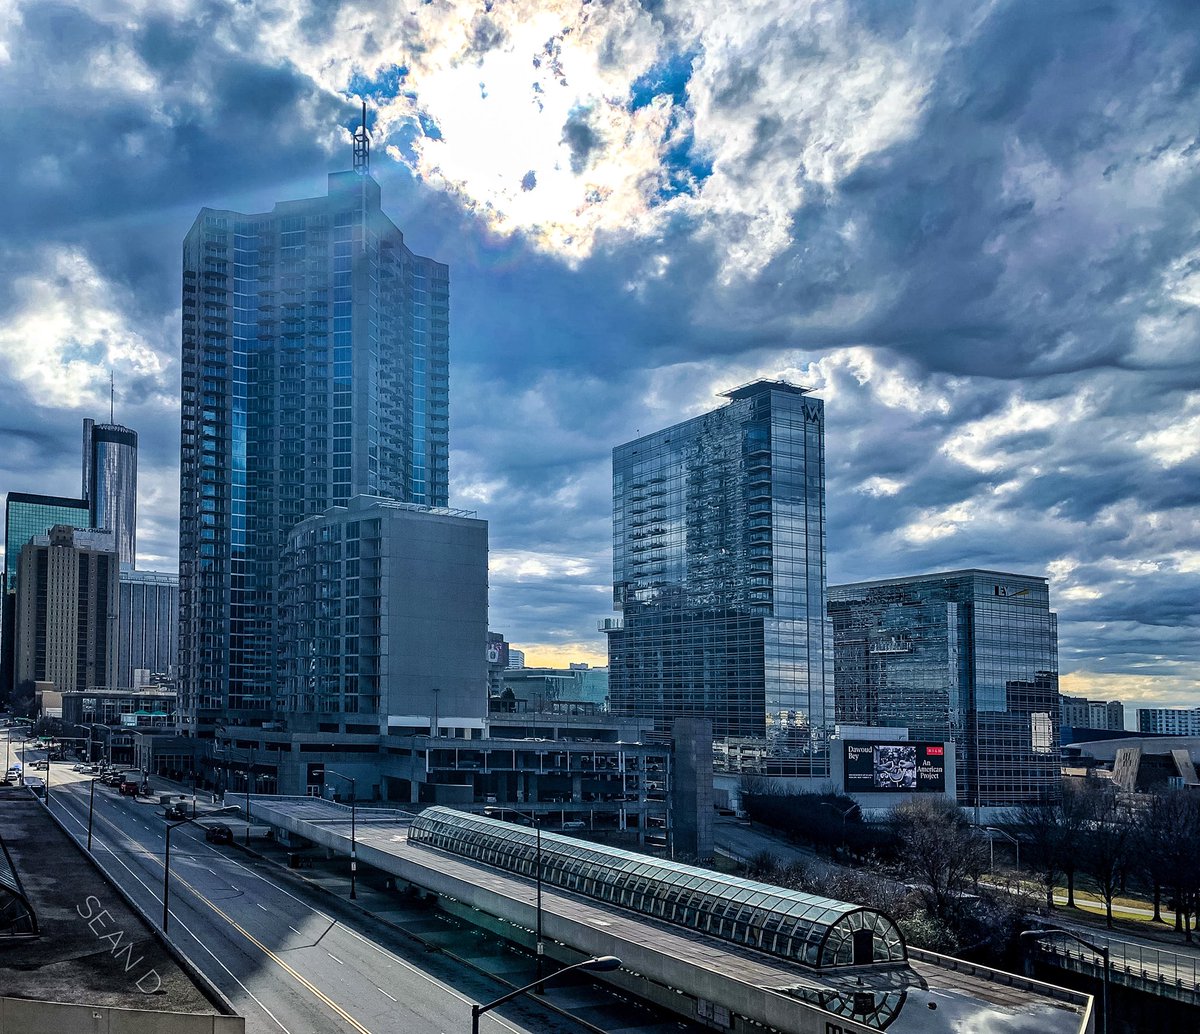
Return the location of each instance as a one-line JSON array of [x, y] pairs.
[[970, 229]]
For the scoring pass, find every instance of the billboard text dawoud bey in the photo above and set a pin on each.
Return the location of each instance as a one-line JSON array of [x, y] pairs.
[[895, 767]]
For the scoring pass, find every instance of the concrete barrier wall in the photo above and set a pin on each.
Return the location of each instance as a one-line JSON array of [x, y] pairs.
[[22, 1016]]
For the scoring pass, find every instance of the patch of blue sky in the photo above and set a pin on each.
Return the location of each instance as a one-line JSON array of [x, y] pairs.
[[670, 77], [385, 86], [686, 170], [428, 126]]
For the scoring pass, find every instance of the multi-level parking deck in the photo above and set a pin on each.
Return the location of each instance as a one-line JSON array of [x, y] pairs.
[[737, 954]]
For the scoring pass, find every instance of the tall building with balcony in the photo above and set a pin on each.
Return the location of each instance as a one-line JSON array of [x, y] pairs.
[[383, 619], [964, 656], [1179, 721], [719, 577], [315, 368], [110, 483]]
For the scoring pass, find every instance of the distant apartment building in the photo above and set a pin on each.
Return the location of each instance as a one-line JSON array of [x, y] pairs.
[[1081, 713], [66, 610], [148, 622], [719, 577], [516, 658], [969, 657], [1169, 721]]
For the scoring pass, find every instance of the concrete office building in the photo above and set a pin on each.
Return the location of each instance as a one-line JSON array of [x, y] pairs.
[[1169, 721], [383, 619], [315, 369], [66, 605], [148, 622], [110, 484], [719, 577], [964, 657]]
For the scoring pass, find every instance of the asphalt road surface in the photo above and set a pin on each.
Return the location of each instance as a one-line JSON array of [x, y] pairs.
[[286, 956]]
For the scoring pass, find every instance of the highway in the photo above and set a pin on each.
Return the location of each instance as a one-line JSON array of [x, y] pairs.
[[288, 958]]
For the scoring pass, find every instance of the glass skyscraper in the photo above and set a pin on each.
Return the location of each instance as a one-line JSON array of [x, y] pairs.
[[315, 368], [27, 514], [719, 577], [110, 483], [969, 656]]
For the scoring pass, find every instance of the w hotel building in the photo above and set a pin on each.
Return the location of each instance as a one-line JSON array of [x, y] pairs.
[[969, 657], [719, 578]]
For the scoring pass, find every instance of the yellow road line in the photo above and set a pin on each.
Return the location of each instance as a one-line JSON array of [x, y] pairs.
[[245, 933]]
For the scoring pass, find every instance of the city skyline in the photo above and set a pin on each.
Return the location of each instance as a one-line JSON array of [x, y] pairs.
[[984, 267]]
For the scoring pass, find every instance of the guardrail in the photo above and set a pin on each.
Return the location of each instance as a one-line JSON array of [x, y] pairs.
[[1130, 960]]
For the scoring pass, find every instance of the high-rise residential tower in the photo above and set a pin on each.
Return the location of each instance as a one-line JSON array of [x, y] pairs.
[[719, 576], [964, 656], [315, 368], [110, 483]]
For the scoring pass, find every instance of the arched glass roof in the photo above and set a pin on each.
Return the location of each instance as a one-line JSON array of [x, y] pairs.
[[819, 932]]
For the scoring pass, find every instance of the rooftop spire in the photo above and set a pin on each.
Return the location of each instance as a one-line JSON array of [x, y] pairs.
[[362, 145]]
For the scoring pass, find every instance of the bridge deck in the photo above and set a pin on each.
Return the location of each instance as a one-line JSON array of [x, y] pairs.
[[921, 997]]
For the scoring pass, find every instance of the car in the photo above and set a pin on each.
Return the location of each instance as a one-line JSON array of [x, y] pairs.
[[218, 834], [81, 768], [35, 783], [178, 810], [42, 765]]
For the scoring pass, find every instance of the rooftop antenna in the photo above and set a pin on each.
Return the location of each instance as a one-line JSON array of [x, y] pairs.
[[362, 146], [112, 397]]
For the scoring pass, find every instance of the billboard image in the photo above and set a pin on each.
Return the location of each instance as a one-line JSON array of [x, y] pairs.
[[895, 767]]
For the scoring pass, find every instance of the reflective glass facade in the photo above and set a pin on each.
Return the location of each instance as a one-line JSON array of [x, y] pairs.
[[969, 656], [719, 575], [27, 515], [315, 368], [110, 483]]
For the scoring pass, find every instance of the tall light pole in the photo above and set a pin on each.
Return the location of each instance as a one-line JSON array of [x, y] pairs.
[[249, 776], [1100, 949], [541, 946], [171, 826], [844, 814], [603, 964], [91, 811], [353, 836], [992, 830]]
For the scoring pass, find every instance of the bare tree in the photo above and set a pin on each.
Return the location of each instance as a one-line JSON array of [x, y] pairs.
[[1075, 821], [1110, 838], [939, 851], [1042, 827]]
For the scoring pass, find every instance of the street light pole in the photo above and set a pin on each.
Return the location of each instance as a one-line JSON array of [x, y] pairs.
[[249, 774], [1101, 949], [171, 826], [353, 835], [992, 847], [91, 810], [603, 964]]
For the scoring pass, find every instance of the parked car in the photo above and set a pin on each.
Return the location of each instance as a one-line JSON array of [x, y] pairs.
[[218, 834]]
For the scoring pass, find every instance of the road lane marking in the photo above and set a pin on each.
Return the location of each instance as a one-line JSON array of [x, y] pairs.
[[335, 958], [254, 998], [260, 906], [384, 993], [403, 963]]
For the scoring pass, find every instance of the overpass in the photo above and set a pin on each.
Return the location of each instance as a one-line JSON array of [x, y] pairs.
[[690, 972]]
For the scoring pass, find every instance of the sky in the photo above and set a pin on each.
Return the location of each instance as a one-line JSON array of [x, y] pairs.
[[972, 229]]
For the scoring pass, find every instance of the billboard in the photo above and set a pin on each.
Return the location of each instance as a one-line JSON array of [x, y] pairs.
[[895, 767]]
